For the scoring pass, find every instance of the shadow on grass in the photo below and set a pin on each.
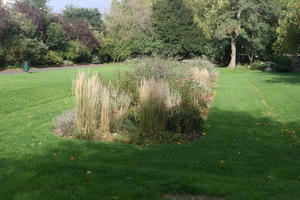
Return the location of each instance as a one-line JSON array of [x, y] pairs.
[[241, 157], [289, 78]]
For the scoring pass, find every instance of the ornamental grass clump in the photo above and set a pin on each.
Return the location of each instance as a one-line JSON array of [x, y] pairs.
[[153, 106], [97, 106], [88, 104]]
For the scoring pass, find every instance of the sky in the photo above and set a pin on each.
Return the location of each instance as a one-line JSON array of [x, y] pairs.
[[102, 5]]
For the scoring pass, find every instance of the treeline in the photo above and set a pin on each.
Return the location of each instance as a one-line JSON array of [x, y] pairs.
[[228, 31]]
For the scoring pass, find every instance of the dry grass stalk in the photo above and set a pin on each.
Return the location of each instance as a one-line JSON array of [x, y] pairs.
[[105, 111], [153, 105], [120, 103], [87, 104], [173, 99], [98, 107]]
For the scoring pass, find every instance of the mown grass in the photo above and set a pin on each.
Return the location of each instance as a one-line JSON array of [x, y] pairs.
[[251, 149]]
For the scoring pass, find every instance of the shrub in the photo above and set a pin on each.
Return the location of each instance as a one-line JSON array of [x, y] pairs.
[[282, 64], [185, 119], [64, 125], [77, 53], [258, 65], [157, 68], [53, 58], [56, 37], [68, 63], [35, 51], [96, 59], [13, 54]]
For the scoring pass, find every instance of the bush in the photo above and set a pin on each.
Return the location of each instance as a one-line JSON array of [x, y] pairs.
[[53, 58], [185, 119], [258, 65], [64, 125], [96, 59], [282, 64], [56, 37], [77, 53], [13, 54], [35, 51], [157, 68], [68, 63]]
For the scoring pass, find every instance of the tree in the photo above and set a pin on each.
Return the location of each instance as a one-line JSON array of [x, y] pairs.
[[56, 37], [91, 16], [129, 29], [247, 19], [175, 27], [38, 12], [289, 29]]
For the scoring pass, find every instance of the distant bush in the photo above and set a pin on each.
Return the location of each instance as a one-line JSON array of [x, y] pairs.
[[96, 59], [77, 53], [35, 51], [282, 64], [53, 58], [157, 68], [258, 65], [68, 63]]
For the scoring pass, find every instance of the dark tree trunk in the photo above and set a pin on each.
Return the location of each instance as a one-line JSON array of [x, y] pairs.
[[232, 64]]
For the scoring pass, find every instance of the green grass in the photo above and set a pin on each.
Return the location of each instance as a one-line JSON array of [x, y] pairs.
[[250, 151]]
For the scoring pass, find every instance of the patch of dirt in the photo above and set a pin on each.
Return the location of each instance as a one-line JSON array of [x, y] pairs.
[[190, 197]]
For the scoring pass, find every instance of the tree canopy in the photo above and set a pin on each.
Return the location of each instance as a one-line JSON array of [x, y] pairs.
[[227, 31]]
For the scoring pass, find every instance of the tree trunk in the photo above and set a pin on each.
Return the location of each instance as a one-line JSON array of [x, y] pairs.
[[232, 64]]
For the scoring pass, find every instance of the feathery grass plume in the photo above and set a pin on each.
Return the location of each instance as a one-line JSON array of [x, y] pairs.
[[173, 99], [153, 109], [105, 110], [120, 103], [157, 68], [87, 104]]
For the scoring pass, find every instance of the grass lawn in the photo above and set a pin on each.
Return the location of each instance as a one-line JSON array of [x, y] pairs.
[[251, 150]]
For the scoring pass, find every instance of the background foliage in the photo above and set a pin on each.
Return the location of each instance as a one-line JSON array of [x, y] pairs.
[[228, 31]]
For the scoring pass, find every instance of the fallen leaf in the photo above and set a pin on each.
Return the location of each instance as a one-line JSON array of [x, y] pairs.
[[72, 158]]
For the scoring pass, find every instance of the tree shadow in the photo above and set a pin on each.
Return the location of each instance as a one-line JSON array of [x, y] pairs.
[[239, 149], [288, 78]]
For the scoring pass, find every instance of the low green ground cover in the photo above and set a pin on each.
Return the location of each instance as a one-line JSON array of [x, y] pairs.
[[250, 151]]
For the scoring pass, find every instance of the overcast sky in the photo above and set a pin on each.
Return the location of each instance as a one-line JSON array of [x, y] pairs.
[[102, 5]]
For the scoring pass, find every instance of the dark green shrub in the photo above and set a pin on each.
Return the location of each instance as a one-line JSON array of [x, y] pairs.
[[282, 64], [13, 54], [96, 59], [77, 53], [185, 119], [35, 51], [53, 58], [258, 65], [56, 37]]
